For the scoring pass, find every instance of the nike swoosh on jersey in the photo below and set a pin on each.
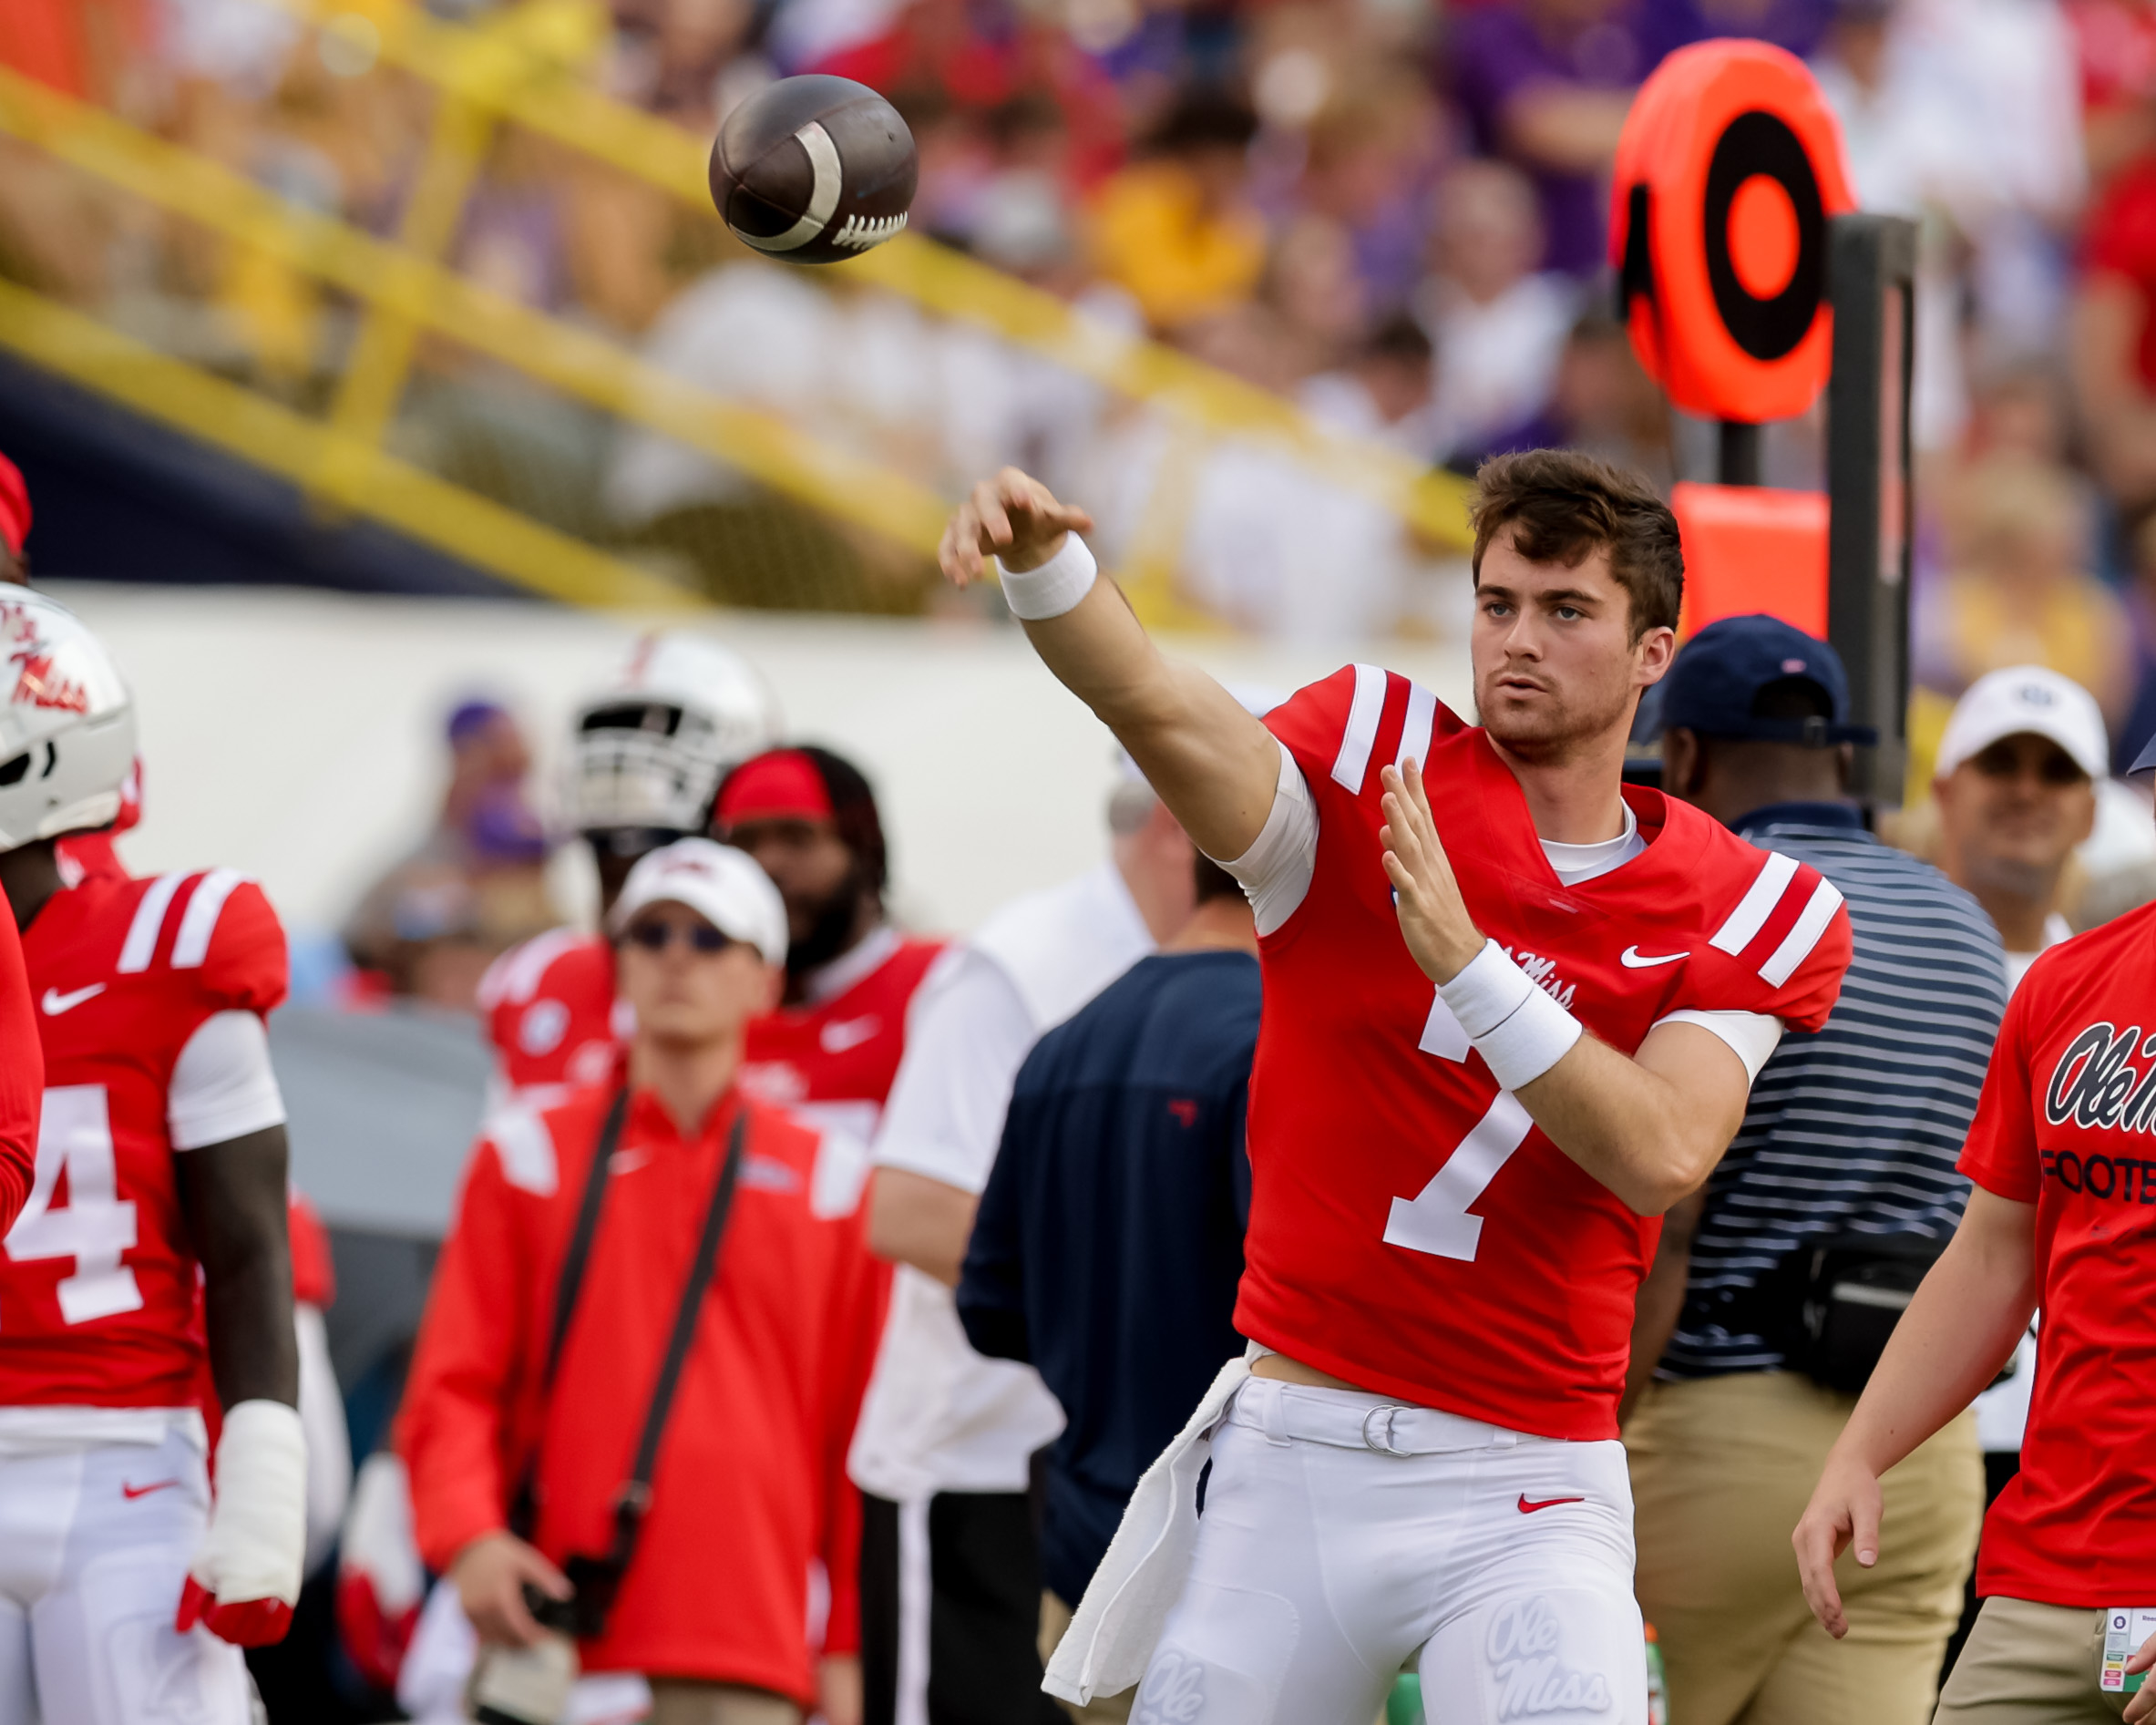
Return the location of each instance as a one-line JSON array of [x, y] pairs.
[[132, 1492], [57, 1002], [844, 1034], [1633, 958], [1527, 1508]]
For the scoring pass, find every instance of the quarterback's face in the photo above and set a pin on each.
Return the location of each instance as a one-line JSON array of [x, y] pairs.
[[1555, 661], [683, 993]]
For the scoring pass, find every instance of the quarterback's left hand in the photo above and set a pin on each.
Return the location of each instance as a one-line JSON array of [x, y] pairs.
[[1432, 915], [245, 1578]]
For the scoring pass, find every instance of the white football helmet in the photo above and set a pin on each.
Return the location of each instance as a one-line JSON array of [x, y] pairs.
[[66, 725], [649, 752]]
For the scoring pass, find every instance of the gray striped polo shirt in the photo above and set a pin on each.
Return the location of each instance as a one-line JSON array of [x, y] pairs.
[[1856, 1128]]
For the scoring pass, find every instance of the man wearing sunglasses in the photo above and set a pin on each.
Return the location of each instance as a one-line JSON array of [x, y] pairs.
[[522, 1415], [2015, 786]]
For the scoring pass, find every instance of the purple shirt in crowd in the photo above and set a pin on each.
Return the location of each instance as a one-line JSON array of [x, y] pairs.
[[1498, 52]]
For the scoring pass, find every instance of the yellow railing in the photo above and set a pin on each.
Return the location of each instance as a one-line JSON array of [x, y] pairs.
[[424, 294], [519, 70], [256, 429]]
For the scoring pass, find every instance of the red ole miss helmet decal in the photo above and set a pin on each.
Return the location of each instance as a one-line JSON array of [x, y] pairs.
[[1729, 165]]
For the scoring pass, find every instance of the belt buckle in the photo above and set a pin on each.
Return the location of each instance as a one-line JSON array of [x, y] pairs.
[[1385, 1447]]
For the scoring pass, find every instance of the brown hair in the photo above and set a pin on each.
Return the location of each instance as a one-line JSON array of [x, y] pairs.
[[1562, 506]]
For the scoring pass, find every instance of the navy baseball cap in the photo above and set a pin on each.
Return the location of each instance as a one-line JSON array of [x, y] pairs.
[[1719, 673]]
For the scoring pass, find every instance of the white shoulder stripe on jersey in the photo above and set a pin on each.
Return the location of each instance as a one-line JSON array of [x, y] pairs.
[[1414, 735], [141, 944], [1803, 935], [1361, 734], [191, 945], [1757, 905]]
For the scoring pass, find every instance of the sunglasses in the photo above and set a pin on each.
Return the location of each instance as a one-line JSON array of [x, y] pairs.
[[656, 937], [2054, 768]]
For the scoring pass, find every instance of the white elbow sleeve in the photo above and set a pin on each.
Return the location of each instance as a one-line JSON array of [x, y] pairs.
[[1056, 587], [1516, 1027]]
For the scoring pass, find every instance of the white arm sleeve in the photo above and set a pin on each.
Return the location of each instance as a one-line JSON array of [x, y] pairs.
[[222, 1084], [1752, 1036], [1275, 872], [966, 1038]]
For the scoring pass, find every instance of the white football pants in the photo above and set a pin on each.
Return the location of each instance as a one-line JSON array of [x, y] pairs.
[[1501, 1563], [95, 1544]]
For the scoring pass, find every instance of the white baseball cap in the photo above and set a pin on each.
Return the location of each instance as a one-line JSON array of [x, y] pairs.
[[2026, 700], [722, 885]]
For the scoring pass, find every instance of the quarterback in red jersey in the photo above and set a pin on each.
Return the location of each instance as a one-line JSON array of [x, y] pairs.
[[155, 1232], [2062, 1216], [645, 757], [830, 1051], [1456, 1190]]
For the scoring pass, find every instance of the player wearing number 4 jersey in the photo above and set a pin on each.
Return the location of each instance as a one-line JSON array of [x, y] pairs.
[[1455, 1190], [155, 1233]]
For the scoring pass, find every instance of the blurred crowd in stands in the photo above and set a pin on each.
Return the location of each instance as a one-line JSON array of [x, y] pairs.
[[1392, 211]]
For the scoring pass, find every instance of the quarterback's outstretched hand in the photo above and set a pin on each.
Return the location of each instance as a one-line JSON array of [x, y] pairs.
[[1432, 915], [1013, 517]]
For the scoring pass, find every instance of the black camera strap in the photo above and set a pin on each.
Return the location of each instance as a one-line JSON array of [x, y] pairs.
[[524, 1502], [635, 1495]]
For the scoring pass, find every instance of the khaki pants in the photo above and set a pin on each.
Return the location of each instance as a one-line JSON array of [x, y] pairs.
[[1721, 1469], [1103, 1710], [2025, 1664], [683, 1702]]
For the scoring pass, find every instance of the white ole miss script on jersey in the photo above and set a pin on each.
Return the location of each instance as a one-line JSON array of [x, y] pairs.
[[1411, 1231]]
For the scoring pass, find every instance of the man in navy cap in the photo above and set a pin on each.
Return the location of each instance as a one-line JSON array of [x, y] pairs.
[[1777, 1281]]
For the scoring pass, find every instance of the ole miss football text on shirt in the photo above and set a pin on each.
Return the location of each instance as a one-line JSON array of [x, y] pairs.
[[99, 1300], [1411, 1231], [2068, 1123]]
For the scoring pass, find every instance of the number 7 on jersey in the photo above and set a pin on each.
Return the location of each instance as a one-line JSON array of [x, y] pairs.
[[1435, 1221]]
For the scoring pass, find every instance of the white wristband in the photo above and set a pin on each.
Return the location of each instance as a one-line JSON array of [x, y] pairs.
[[1516, 1027], [1054, 588]]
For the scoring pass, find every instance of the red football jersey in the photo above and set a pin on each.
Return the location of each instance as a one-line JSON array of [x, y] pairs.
[[832, 1061], [549, 1007], [2065, 1124], [1411, 1229], [22, 1077], [98, 1278]]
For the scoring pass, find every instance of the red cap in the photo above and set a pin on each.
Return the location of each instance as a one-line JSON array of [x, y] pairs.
[[781, 785], [15, 506]]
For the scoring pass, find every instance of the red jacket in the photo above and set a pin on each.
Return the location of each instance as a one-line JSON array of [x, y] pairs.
[[751, 1479]]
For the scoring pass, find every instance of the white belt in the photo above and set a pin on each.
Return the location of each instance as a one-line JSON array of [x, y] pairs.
[[1353, 1419]]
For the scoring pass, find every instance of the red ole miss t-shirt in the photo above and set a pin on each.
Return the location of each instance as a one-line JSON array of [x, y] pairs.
[[2068, 1123]]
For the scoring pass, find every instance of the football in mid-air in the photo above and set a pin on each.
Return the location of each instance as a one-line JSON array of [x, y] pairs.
[[814, 170]]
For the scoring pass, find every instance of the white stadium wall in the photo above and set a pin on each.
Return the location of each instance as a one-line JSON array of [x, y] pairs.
[[297, 734]]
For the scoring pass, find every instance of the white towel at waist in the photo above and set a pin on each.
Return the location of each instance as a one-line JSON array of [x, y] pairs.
[[1111, 1639]]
